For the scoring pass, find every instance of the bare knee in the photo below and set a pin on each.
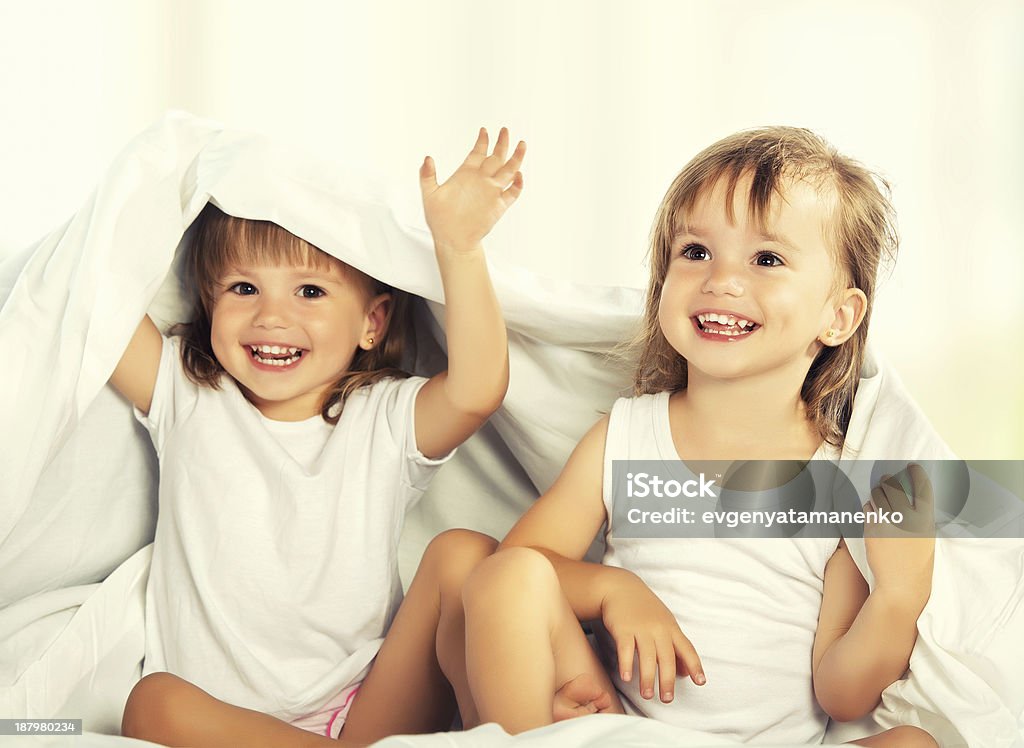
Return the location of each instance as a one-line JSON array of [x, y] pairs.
[[904, 736], [152, 708], [510, 577], [908, 736], [452, 556]]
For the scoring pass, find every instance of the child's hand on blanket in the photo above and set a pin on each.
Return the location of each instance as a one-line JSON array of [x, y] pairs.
[[639, 622], [902, 555], [465, 208]]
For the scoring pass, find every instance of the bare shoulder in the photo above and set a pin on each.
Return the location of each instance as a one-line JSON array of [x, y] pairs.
[[135, 375]]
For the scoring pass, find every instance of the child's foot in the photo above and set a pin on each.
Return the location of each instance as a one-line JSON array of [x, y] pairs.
[[580, 696]]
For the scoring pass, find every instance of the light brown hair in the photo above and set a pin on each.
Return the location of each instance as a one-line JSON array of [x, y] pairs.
[[220, 242], [861, 233]]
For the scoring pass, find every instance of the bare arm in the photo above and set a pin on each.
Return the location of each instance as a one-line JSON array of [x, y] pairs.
[[564, 521], [561, 525], [863, 642], [135, 375], [455, 403]]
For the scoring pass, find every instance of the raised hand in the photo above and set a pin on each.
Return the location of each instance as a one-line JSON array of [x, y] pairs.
[[640, 623], [462, 210], [901, 555]]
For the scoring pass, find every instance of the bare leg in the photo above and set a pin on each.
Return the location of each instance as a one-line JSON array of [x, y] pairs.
[[423, 655], [163, 708], [904, 736], [523, 643]]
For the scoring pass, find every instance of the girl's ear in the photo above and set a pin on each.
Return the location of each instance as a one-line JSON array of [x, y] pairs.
[[378, 316], [849, 313]]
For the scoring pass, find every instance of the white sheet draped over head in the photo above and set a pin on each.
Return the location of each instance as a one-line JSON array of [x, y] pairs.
[[78, 494]]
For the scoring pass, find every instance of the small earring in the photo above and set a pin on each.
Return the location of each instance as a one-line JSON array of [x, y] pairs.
[[369, 340], [830, 333]]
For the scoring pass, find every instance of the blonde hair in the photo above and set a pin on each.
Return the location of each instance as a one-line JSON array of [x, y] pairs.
[[861, 231], [220, 242]]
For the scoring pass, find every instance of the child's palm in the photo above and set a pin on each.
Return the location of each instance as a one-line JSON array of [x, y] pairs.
[[465, 208]]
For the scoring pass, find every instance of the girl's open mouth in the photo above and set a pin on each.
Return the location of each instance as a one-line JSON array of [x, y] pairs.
[[724, 327], [275, 356]]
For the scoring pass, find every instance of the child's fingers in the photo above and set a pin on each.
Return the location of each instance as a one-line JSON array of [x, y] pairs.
[[689, 658], [624, 648], [924, 496], [666, 670], [510, 195], [428, 176], [879, 497], [510, 167], [479, 150], [647, 655], [500, 147], [899, 493]]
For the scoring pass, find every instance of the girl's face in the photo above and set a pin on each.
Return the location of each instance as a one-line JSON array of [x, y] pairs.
[[286, 333], [737, 302]]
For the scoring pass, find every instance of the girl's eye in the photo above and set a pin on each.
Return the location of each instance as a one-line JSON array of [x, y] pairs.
[[768, 260], [242, 289], [694, 252], [311, 292]]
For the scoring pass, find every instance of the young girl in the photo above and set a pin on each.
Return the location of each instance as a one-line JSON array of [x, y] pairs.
[[290, 447], [764, 255]]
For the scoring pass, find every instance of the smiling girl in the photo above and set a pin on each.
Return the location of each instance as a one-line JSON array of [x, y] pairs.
[[290, 447], [764, 256]]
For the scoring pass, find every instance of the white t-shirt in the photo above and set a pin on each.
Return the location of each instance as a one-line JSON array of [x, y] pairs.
[[748, 605], [274, 573]]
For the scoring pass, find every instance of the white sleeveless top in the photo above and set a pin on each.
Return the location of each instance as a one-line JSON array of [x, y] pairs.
[[749, 606]]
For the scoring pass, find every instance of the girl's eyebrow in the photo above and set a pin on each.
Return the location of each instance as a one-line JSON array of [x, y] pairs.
[[687, 231], [319, 277], [771, 236], [765, 234]]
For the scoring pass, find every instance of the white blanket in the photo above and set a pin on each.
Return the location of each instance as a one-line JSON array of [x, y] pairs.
[[79, 481]]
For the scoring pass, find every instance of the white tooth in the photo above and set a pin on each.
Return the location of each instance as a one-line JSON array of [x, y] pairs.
[[712, 317], [743, 323], [732, 320], [293, 351], [274, 349], [702, 318]]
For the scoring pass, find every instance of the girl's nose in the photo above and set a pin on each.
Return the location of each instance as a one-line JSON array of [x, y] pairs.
[[270, 314], [723, 279]]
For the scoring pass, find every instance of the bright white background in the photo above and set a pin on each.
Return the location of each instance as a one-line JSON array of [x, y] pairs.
[[613, 98]]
